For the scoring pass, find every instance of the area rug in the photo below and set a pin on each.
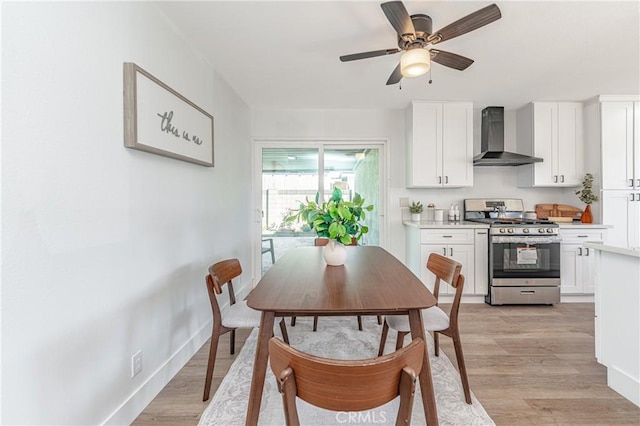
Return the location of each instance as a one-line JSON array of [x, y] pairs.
[[337, 337]]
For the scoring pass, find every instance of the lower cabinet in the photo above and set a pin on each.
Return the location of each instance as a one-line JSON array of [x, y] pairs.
[[576, 276], [457, 244]]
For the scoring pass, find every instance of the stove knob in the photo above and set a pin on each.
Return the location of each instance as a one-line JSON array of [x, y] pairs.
[[511, 230], [541, 230], [525, 230], [549, 230], [502, 231]]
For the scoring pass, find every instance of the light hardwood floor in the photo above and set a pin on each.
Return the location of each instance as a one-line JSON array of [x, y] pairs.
[[526, 364]]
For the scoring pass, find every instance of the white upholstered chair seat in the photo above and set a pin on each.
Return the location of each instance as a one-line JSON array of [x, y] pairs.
[[239, 315], [434, 319]]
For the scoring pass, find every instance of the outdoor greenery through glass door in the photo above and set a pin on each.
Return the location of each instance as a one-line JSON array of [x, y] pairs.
[[290, 175]]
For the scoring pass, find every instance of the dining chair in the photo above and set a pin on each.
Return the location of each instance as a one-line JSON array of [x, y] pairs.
[[229, 318], [346, 385], [320, 242], [269, 248], [434, 318]]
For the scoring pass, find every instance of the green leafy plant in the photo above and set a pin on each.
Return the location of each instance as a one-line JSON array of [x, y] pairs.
[[586, 194], [335, 219], [416, 207]]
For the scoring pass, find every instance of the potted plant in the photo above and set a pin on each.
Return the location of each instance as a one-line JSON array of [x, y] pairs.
[[338, 220], [587, 196], [415, 209]]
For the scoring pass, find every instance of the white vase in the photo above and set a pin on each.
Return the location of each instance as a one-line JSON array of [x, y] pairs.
[[334, 253], [415, 217]]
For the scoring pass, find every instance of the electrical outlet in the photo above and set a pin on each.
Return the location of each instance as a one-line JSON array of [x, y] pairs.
[[136, 364], [404, 202]]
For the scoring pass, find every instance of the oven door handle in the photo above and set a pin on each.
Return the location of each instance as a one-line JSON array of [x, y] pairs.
[[532, 240]]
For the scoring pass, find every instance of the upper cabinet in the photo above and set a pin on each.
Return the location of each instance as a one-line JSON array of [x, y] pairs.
[[552, 131], [620, 129], [440, 144]]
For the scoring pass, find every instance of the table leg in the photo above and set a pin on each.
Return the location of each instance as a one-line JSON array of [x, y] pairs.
[[260, 367], [426, 382]]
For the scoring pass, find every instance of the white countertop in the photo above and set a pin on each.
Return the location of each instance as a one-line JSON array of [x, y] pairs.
[[425, 224], [579, 225], [627, 251]]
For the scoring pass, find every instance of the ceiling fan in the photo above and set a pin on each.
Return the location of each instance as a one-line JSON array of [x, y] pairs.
[[415, 35]]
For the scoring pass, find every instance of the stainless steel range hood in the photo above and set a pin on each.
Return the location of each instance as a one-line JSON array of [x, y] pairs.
[[492, 151]]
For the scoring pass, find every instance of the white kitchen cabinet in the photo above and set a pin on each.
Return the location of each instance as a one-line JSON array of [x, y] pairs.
[[621, 210], [576, 275], [439, 144], [551, 131], [481, 245], [620, 127], [457, 244]]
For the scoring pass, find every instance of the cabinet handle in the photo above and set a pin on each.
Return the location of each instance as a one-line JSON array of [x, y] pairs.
[[562, 178], [481, 233], [451, 251], [638, 184], [579, 251], [587, 249], [444, 251], [446, 179], [632, 197], [439, 179], [638, 196], [528, 292], [631, 183], [447, 236], [555, 178], [582, 236]]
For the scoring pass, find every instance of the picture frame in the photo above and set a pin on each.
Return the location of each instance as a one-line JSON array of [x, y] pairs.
[[159, 120]]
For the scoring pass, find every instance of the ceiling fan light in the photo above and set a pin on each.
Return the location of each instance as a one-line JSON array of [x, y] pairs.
[[415, 62]]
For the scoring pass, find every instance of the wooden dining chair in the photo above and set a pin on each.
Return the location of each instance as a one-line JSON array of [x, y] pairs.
[[434, 318], [346, 385], [233, 316], [323, 242]]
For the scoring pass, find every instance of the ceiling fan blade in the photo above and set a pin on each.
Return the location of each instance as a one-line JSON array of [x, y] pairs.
[[471, 22], [399, 18], [450, 60], [365, 55], [395, 76]]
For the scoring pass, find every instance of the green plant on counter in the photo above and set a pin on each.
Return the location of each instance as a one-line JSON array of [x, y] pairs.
[[586, 194], [335, 219], [415, 207]]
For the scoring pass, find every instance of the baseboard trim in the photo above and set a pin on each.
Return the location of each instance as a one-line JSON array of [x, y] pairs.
[[624, 384]]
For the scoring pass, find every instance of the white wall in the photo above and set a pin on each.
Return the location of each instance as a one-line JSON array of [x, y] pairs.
[[105, 248], [389, 124]]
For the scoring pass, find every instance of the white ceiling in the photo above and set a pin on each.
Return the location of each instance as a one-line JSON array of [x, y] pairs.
[[284, 54]]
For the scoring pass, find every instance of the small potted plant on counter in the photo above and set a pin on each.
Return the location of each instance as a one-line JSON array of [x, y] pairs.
[[415, 209], [587, 196]]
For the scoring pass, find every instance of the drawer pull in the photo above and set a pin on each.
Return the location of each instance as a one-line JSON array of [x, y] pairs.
[[447, 236], [527, 292], [582, 236]]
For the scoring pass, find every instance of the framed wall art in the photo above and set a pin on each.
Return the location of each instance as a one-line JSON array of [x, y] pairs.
[[159, 120]]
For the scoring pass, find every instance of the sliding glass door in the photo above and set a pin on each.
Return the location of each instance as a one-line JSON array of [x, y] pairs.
[[288, 173]]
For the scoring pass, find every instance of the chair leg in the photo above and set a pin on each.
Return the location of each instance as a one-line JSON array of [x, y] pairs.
[[379, 319], [232, 342], [283, 330], [315, 323], [213, 349], [436, 343], [293, 321], [400, 340], [457, 344], [383, 338], [359, 323]]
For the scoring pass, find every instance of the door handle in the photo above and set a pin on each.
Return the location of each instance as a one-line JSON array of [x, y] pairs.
[[579, 251]]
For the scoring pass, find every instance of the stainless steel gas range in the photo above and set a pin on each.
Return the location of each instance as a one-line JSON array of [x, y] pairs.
[[524, 254]]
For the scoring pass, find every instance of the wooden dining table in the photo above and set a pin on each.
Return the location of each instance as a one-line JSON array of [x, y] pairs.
[[371, 282]]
